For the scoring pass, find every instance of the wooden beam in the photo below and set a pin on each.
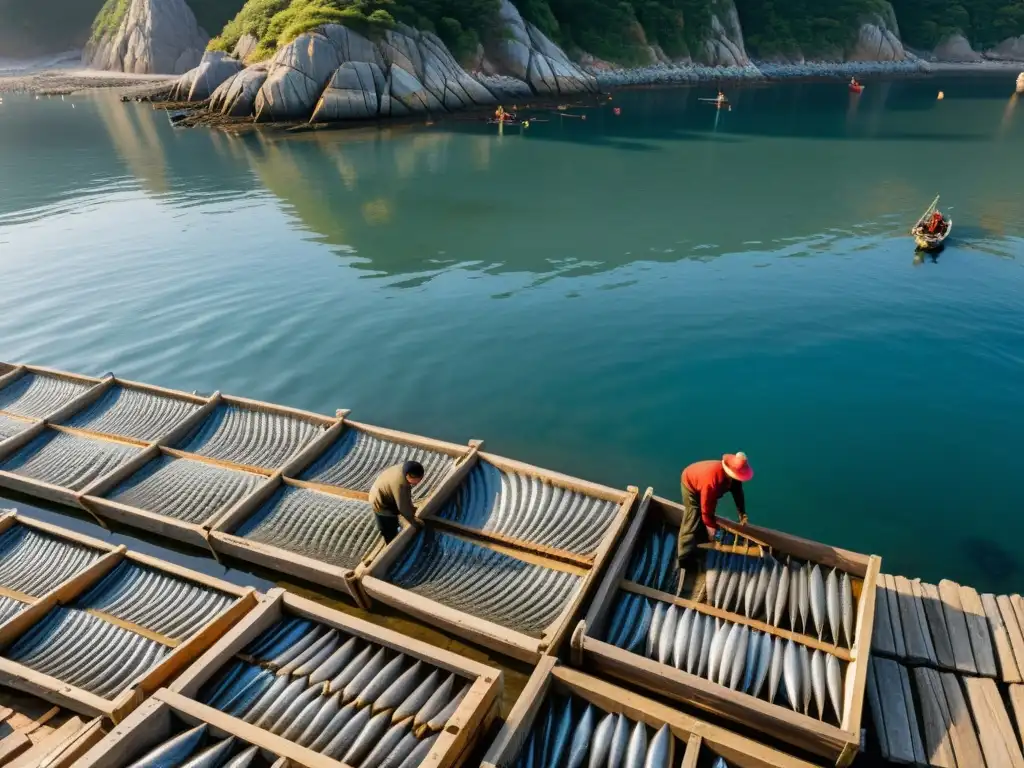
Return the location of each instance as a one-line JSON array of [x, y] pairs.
[[691, 755], [1001, 640], [511, 543], [915, 632], [962, 736], [735, 618], [888, 583], [890, 712], [58, 739], [995, 732], [1013, 629], [938, 749], [977, 628], [956, 624]]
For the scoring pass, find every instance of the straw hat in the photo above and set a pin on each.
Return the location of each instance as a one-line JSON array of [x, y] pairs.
[[737, 467]]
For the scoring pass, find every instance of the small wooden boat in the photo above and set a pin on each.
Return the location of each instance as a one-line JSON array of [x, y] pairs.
[[927, 240], [856, 87], [1020, 83]]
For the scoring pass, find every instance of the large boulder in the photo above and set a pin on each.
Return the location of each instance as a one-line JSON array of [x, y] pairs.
[[236, 96], [406, 89], [155, 37], [878, 38], [245, 47], [296, 78], [352, 46], [1011, 49], [955, 48], [214, 69], [723, 46], [351, 93]]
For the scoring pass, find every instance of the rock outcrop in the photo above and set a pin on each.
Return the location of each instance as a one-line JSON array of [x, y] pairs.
[[155, 37], [524, 52], [236, 96], [878, 39], [955, 48], [199, 84], [723, 46], [1011, 49]]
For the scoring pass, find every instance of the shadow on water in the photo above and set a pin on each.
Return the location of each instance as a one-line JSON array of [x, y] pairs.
[[996, 563]]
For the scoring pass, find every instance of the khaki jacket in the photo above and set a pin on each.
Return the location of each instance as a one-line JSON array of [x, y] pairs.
[[391, 494]]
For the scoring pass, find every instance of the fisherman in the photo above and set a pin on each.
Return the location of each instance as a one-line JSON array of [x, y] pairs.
[[499, 113], [935, 224], [703, 484], [391, 495], [854, 83], [720, 99]]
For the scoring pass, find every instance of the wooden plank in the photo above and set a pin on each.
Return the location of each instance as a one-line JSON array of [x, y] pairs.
[[912, 716], [40, 721], [977, 628], [52, 690], [1016, 696], [138, 629], [53, 741], [881, 640], [5, 712], [595, 490], [1000, 639], [938, 748], [956, 625], [936, 621], [509, 542], [893, 726], [1013, 629], [190, 422], [693, 749], [506, 745], [892, 600], [735, 618], [961, 735], [67, 754], [995, 732], [914, 632], [12, 745], [856, 672]]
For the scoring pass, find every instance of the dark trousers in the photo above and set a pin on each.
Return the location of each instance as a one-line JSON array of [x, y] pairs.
[[692, 531], [388, 526]]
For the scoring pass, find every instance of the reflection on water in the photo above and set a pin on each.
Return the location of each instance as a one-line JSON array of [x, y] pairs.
[[612, 297]]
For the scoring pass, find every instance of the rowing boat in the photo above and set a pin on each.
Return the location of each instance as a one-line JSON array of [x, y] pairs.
[[931, 241]]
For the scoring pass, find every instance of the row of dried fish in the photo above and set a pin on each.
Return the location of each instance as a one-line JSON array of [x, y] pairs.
[[483, 582], [334, 529], [39, 395], [34, 562], [530, 509], [134, 413], [10, 426], [251, 436], [729, 654], [654, 563], [790, 594], [87, 652], [184, 489], [196, 748], [67, 460], [336, 694], [358, 457], [155, 600]]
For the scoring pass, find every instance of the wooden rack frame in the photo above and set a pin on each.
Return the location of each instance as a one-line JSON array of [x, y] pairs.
[[837, 743], [184, 653], [472, 717], [700, 737], [519, 645], [19, 371]]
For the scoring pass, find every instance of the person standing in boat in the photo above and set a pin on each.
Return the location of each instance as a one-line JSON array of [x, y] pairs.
[[391, 496], [703, 484]]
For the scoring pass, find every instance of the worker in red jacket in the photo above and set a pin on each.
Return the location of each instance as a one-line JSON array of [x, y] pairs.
[[704, 483]]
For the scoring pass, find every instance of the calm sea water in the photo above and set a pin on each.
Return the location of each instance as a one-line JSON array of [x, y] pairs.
[[613, 298]]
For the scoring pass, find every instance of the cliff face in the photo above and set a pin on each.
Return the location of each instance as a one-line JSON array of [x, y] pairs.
[[723, 45], [153, 37]]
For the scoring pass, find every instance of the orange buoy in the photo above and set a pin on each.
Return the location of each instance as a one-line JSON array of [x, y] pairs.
[[617, 111]]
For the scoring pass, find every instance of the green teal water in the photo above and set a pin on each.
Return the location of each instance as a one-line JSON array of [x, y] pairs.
[[612, 297]]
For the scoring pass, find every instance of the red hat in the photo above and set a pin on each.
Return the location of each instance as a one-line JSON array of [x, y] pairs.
[[737, 467]]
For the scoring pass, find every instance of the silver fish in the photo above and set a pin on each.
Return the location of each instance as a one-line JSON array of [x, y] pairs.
[[637, 749], [212, 756], [297, 647], [263, 702], [563, 724], [400, 689], [364, 676], [309, 711], [694, 643], [804, 595], [750, 593], [764, 659], [791, 675], [750, 662], [834, 681], [323, 716], [805, 676], [243, 758], [733, 582], [306, 662], [717, 648], [764, 572], [711, 567], [620, 740], [247, 696], [381, 681], [436, 702], [602, 741], [739, 657], [667, 634], [846, 603], [351, 669], [781, 596], [348, 734], [818, 599], [415, 700], [546, 732], [681, 639], [277, 708], [729, 656], [281, 762], [440, 720], [364, 743], [581, 738], [334, 663], [794, 595], [720, 763], [334, 727], [832, 603], [298, 708], [173, 751], [772, 590], [818, 681], [660, 752], [745, 579], [653, 633], [621, 619], [710, 630], [775, 671], [388, 745], [640, 632], [419, 753], [668, 553]]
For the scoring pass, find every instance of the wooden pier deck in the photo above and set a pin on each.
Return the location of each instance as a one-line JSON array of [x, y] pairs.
[[944, 685]]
